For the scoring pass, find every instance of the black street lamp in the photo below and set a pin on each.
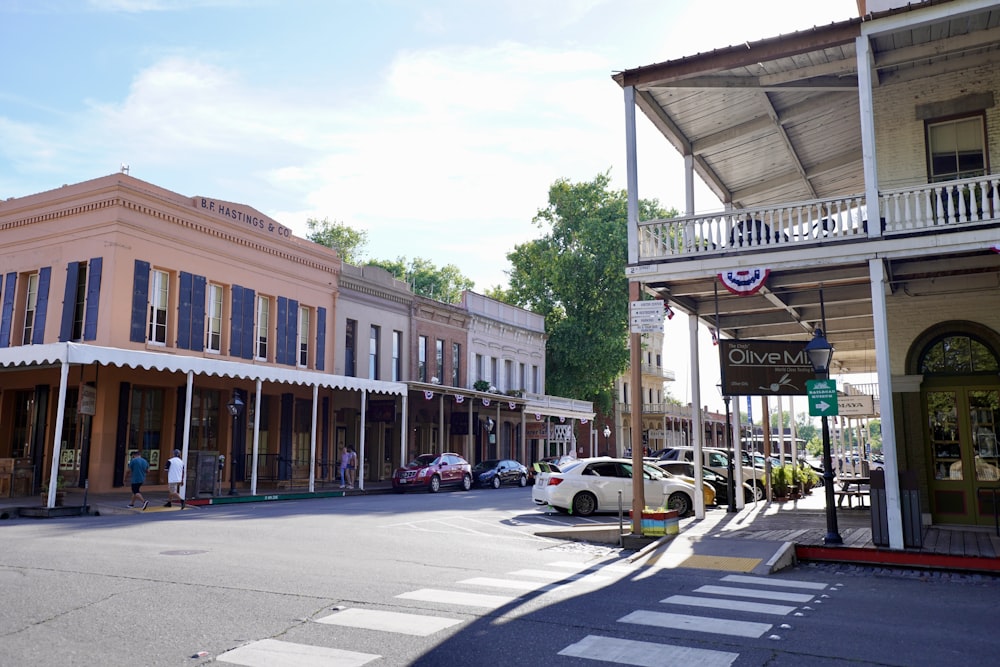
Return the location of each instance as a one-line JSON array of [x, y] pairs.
[[820, 353], [731, 482], [235, 406]]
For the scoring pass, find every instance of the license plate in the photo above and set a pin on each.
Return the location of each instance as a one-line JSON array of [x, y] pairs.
[[402, 481]]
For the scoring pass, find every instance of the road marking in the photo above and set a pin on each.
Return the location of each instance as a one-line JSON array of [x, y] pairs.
[[771, 581], [707, 562], [507, 583], [613, 567], [454, 597], [753, 593], [275, 653], [417, 625], [732, 605], [646, 654], [718, 626], [557, 576]]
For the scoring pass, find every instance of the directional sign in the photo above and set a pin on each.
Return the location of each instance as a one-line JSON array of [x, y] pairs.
[[646, 308], [822, 398], [646, 327], [857, 405]]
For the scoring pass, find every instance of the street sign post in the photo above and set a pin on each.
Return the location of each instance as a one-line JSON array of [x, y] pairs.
[[646, 316], [822, 398]]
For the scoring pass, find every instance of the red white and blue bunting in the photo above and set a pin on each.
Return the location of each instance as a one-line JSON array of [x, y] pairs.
[[744, 282], [486, 402], [459, 399], [511, 404], [428, 395]]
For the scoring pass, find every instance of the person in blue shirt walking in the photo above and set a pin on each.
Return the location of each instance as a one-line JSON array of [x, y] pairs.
[[138, 467]]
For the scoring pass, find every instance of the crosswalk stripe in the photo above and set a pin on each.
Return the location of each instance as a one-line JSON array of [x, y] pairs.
[[754, 593], [731, 605], [276, 653], [455, 597], [557, 576], [417, 625], [646, 654], [508, 583], [771, 581], [718, 626], [613, 568]]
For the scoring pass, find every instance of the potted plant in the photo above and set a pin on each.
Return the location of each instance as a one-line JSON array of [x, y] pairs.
[[60, 491], [481, 385], [809, 478], [780, 482]]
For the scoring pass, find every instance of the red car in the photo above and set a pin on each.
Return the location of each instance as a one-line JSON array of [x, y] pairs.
[[432, 471]]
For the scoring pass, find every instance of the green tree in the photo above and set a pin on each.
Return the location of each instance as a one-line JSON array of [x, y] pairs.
[[445, 284], [349, 243], [574, 275]]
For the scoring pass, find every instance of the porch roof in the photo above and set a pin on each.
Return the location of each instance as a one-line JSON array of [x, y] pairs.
[[777, 121], [52, 354]]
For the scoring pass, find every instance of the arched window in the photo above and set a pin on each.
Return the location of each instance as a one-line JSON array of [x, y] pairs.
[[957, 354]]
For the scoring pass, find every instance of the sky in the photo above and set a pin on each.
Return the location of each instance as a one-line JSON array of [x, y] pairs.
[[437, 126]]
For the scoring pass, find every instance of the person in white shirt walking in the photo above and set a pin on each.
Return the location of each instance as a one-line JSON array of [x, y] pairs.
[[175, 477]]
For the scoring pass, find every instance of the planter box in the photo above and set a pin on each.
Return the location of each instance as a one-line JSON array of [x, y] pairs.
[[659, 522]]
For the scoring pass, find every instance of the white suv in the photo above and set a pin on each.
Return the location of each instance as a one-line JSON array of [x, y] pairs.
[[718, 460]]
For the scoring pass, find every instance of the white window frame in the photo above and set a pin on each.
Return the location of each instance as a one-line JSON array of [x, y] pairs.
[[30, 308], [303, 351], [214, 295], [262, 327], [159, 300]]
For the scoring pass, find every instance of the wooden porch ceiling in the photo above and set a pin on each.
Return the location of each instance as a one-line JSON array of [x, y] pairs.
[[793, 303]]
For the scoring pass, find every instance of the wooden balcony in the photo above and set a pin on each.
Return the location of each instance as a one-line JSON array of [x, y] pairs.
[[931, 208]]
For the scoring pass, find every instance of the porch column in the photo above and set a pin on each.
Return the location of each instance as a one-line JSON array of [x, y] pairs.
[[441, 424], [688, 184], [894, 514], [312, 441], [697, 423], [737, 427], [632, 183], [57, 438], [256, 438], [186, 438], [470, 442], [405, 430], [361, 444], [866, 109]]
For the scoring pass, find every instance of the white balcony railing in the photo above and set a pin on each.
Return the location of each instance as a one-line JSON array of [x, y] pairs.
[[936, 207]]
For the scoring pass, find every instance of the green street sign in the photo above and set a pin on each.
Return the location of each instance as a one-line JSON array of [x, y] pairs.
[[822, 398]]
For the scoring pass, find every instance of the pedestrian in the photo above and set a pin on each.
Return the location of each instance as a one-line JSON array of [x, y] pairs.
[[175, 477], [348, 463], [138, 467]]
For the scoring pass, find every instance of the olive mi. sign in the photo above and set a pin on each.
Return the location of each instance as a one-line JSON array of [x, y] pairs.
[[764, 368]]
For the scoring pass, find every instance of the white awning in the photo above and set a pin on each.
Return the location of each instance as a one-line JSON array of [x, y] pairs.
[[53, 354]]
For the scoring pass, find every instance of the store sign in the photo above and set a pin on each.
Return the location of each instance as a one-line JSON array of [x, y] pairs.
[[88, 400], [764, 367], [856, 406]]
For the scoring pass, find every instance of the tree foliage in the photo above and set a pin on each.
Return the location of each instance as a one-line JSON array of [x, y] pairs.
[[443, 284], [349, 243], [574, 275]]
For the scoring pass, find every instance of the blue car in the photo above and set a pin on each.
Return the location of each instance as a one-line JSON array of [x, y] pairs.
[[497, 472]]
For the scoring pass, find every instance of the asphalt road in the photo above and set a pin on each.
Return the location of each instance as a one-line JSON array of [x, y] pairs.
[[448, 579]]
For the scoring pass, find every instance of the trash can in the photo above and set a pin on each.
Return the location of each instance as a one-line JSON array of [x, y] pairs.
[[909, 505]]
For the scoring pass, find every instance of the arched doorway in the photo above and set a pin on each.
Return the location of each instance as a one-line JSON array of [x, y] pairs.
[[961, 409]]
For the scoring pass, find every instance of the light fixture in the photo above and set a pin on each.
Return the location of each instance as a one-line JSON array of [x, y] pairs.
[[235, 405], [820, 353]]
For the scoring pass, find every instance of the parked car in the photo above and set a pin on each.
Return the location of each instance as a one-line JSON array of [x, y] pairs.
[[497, 472], [590, 485], [433, 471], [718, 481], [718, 460], [547, 464]]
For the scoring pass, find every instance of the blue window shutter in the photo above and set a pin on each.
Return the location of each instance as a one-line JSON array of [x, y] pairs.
[[140, 301], [281, 342], [41, 305], [69, 302], [8, 309], [198, 313], [93, 299], [249, 334], [321, 339], [236, 323], [184, 312], [292, 333]]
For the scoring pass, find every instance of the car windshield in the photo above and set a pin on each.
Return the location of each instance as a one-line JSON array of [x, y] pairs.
[[422, 461], [486, 465]]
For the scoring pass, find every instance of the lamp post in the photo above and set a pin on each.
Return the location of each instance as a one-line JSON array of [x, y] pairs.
[[235, 406], [607, 436], [820, 353], [731, 481]]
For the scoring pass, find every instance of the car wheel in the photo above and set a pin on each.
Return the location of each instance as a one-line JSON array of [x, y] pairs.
[[584, 504], [680, 503], [466, 482], [495, 482], [522, 481], [435, 484], [758, 492]]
